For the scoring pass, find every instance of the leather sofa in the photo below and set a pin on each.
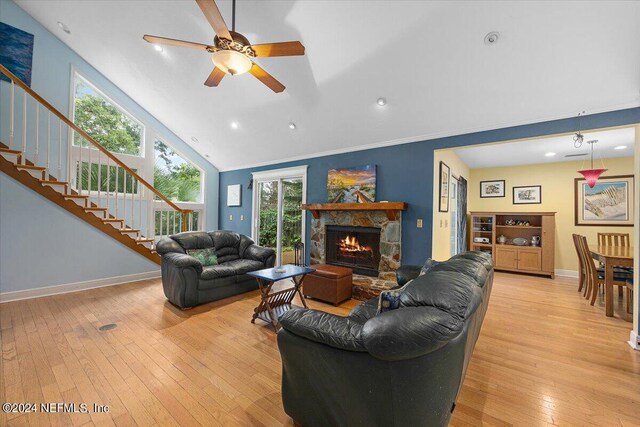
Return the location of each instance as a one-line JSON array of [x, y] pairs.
[[187, 283], [403, 367]]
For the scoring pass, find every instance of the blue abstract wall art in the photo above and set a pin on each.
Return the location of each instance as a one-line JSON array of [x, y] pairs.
[[16, 52]]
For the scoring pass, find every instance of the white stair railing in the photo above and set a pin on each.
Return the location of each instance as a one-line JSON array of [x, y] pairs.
[[113, 191]]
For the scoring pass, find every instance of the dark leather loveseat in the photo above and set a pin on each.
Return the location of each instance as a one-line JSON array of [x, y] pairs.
[[187, 283], [403, 367]]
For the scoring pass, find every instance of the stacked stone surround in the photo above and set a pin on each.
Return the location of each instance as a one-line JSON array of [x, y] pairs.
[[390, 246]]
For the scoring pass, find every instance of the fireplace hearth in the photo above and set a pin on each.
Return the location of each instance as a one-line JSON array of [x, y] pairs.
[[354, 247]]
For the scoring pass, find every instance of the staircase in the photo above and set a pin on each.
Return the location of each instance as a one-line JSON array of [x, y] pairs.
[[99, 189]]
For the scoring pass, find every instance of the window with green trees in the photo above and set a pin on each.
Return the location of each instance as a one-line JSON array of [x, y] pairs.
[[105, 122], [291, 213], [174, 177]]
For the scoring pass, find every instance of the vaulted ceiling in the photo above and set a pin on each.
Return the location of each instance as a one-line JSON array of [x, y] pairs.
[[428, 59]]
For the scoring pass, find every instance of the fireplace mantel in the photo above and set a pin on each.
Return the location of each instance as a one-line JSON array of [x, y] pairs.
[[389, 207]]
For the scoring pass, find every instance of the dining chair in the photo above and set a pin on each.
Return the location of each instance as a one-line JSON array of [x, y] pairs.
[[629, 286], [595, 276], [582, 274], [614, 239]]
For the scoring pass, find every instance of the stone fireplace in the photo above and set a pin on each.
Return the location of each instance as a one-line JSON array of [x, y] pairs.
[[334, 227]]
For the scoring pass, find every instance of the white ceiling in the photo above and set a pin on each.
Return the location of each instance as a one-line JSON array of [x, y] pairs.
[[532, 151], [428, 59]]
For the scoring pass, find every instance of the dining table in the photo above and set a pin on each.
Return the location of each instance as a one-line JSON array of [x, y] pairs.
[[610, 257]]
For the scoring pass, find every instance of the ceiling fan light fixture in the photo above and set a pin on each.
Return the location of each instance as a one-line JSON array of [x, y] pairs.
[[231, 62]]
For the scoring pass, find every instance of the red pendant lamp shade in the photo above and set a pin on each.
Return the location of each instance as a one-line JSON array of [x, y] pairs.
[[592, 175]]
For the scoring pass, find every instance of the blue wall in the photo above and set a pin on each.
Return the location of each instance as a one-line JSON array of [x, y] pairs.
[[404, 173], [40, 244]]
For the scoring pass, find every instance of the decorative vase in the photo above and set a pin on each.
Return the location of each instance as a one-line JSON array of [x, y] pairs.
[[502, 239], [535, 240]]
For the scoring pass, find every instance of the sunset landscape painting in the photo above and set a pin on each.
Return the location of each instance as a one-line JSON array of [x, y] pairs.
[[352, 185]]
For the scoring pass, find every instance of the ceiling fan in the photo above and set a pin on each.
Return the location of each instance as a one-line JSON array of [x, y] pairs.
[[231, 52]]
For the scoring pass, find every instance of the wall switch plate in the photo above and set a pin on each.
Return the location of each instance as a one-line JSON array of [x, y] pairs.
[[241, 217], [230, 217], [419, 223]]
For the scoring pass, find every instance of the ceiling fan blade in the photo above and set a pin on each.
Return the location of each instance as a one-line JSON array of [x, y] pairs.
[[266, 78], [214, 78], [213, 15], [278, 49], [175, 42]]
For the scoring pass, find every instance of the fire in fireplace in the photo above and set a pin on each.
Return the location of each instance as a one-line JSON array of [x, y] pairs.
[[354, 247]]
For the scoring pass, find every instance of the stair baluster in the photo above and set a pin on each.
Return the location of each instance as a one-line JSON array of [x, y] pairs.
[[24, 128], [35, 151], [12, 113], [48, 144], [59, 149]]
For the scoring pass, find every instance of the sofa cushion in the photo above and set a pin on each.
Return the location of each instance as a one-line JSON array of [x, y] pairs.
[[449, 291], [474, 269], [206, 256], [365, 311], [242, 266], [193, 240], [218, 282], [217, 271]]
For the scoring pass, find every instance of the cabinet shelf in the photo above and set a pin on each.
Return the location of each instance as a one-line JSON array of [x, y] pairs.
[[508, 257]]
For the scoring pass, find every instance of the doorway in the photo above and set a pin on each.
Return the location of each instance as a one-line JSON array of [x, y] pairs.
[[277, 219]]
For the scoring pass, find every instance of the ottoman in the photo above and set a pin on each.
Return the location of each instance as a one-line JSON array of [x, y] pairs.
[[328, 283]]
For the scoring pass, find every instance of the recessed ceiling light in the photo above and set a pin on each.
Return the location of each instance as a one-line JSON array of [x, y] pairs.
[[158, 48], [492, 38], [550, 154], [63, 27], [292, 125], [620, 147], [207, 156], [234, 125], [381, 101], [194, 139]]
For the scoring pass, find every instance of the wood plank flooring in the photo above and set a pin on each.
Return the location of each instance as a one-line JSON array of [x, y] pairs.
[[544, 357]]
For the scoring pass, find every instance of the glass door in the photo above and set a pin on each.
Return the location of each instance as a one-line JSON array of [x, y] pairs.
[[278, 221], [453, 207]]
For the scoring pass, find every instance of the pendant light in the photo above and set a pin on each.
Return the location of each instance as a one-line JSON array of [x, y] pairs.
[[592, 175]]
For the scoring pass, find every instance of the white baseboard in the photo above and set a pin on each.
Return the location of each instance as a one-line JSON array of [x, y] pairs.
[[634, 340], [75, 287], [567, 273]]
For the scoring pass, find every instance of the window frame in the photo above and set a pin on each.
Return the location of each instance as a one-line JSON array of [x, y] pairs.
[[144, 163], [72, 107]]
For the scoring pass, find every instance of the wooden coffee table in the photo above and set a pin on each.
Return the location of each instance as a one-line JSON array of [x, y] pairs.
[[273, 305]]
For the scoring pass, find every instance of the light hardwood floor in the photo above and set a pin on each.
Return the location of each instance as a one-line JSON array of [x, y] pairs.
[[544, 357]]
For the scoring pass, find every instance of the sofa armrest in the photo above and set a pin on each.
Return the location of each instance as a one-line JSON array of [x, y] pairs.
[[325, 328], [182, 261], [406, 273], [266, 256], [167, 245], [409, 332]]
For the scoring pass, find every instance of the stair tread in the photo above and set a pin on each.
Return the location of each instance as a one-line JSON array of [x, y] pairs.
[[112, 220], [129, 230], [9, 150], [75, 196], [30, 167], [145, 240], [94, 209], [48, 181]]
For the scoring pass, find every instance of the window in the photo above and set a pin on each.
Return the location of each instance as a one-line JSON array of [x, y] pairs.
[[175, 177], [105, 121]]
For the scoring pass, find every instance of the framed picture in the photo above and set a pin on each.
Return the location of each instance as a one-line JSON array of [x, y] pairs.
[[16, 52], [445, 174], [233, 194], [491, 189], [352, 185], [531, 194], [609, 202]]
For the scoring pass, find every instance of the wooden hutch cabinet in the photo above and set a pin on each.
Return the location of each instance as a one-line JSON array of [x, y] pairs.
[[508, 237]]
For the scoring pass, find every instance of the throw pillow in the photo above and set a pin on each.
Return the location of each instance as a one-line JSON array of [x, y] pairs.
[[205, 256], [428, 265], [390, 300]]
